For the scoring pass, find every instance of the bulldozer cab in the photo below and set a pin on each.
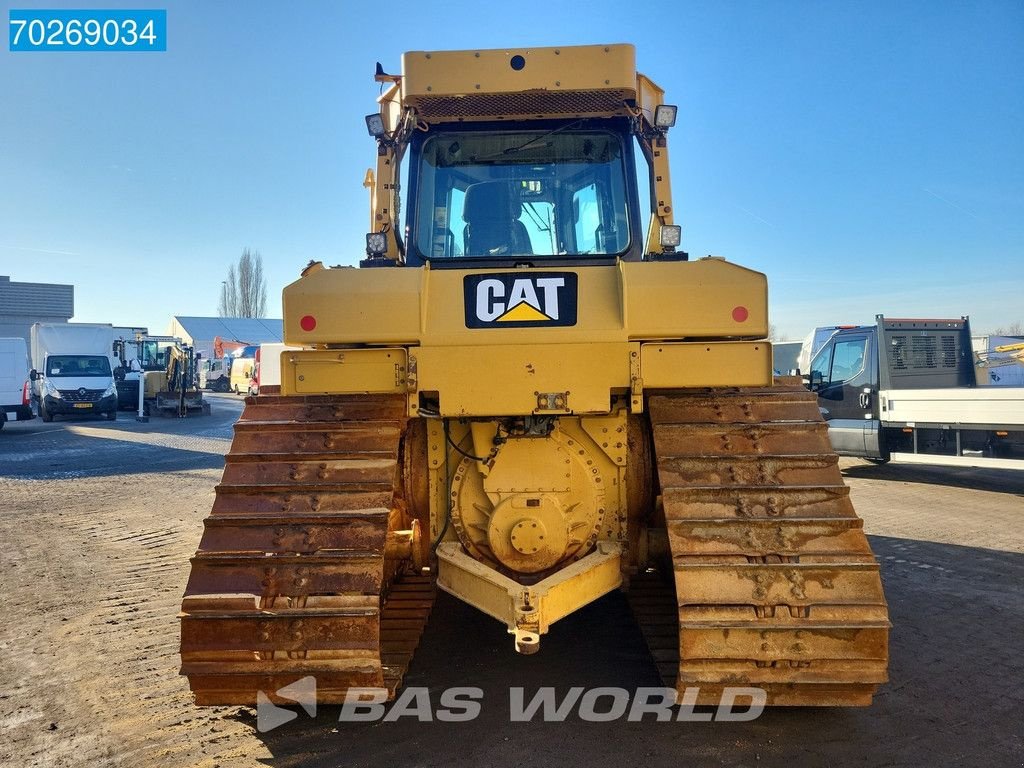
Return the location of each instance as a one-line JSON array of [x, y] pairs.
[[543, 193], [520, 160]]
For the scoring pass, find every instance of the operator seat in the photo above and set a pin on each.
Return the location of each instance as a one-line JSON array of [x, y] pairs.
[[491, 211]]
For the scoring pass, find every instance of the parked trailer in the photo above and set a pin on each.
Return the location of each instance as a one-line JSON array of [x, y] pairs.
[[906, 390]]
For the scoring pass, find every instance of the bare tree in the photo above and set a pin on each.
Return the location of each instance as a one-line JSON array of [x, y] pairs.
[[1013, 329], [228, 304], [244, 293]]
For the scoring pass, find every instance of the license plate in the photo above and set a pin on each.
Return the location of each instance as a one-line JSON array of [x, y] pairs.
[[83, 405]]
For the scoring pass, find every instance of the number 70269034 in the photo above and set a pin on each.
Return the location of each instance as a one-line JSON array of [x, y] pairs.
[[87, 30]]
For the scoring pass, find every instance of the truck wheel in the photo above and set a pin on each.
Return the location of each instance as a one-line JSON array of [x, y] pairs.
[[44, 414], [111, 415], [222, 385]]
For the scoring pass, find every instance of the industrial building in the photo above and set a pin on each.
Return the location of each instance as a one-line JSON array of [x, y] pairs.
[[201, 332], [22, 304]]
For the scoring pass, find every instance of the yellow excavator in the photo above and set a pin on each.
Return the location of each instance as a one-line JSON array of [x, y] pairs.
[[528, 396], [168, 372]]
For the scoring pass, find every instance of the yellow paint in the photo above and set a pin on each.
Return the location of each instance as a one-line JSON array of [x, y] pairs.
[[523, 312], [500, 370], [530, 610], [432, 74], [642, 301], [710, 364], [351, 370]]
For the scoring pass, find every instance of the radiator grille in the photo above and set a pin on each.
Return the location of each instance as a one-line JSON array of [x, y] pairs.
[[81, 395]]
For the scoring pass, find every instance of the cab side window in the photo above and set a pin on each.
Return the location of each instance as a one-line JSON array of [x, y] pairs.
[[848, 360], [821, 364], [839, 362]]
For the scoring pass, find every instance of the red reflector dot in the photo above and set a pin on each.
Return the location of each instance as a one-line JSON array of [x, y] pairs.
[[740, 314], [308, 323]]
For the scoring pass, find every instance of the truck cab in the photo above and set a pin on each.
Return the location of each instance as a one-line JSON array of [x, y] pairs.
[[844, 374], [214, 374]]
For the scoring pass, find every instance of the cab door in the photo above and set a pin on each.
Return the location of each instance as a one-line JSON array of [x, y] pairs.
[[841, 373]]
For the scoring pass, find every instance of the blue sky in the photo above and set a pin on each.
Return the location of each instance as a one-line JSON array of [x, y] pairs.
[[867, 156]]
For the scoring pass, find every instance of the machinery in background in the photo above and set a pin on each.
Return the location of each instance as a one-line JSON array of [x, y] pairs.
[[167, 370], [215, 372], [999, 360]]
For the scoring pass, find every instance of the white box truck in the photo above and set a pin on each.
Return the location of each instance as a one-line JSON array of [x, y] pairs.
[[267, 372], [71, 371], [15, 403]]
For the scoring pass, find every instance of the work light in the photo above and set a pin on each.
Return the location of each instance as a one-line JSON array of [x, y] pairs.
[[665, 116], [375, 125], [671, 235]]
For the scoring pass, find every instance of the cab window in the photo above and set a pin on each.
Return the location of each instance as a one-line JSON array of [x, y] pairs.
[[839, 362], [486, 195]]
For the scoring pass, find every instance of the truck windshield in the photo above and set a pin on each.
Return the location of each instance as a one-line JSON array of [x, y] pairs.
[[526, 193], [78, 365]]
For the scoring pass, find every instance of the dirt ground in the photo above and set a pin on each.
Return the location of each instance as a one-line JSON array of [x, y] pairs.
[[98, 521]]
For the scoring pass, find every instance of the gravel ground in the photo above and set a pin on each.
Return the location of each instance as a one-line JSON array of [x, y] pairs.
[[98, 520]]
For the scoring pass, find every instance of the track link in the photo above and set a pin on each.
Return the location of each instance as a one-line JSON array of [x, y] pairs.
[[775, 583], [290, 578]]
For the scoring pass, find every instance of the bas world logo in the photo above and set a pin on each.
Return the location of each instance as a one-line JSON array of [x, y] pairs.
[[521, 300], [270, 716], [464, 704]]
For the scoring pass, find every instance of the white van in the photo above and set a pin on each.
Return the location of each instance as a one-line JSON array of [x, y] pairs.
[[15, 398], [71, 371]]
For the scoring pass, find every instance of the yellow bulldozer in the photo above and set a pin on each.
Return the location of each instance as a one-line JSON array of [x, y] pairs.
[[528, 397]]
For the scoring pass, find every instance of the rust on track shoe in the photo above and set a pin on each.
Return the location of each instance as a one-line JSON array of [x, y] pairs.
[[775, 584], [291, 577]]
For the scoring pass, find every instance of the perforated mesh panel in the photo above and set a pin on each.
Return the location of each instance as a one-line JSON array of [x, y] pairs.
[[927, 353], [524, 104]]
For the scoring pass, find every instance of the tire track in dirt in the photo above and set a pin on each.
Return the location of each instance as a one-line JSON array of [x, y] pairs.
[[92, 593]]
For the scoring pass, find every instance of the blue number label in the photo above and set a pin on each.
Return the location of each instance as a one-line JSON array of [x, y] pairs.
[[87, 30]]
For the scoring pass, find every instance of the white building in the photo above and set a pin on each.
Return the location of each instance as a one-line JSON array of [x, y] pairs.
[[201, 332]]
